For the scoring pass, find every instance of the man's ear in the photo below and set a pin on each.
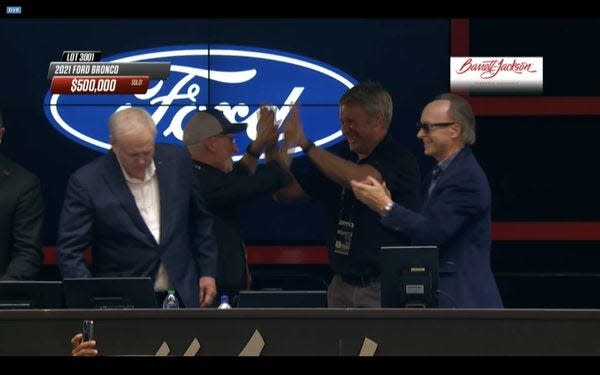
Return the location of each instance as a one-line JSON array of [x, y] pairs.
[[1, 133], [210, 145], [378, 118], [456, 130]]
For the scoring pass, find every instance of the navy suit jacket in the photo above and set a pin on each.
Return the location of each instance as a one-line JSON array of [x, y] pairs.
[[99, 210], [21, 216], [457, 219]]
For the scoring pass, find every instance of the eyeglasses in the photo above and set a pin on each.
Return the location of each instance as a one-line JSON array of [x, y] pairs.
[[427, 127]]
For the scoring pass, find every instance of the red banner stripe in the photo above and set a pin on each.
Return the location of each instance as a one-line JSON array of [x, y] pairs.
[[459, 37], [536, 106]]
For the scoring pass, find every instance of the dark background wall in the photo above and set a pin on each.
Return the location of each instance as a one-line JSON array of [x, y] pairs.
[[540, 167], [539, 154]]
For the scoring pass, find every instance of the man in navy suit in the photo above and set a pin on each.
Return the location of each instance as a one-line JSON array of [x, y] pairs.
[[21, 216], [137, 209], [456, 214]]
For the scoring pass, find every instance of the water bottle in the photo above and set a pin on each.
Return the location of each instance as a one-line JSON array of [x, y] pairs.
[[224, 302], [170, 301]]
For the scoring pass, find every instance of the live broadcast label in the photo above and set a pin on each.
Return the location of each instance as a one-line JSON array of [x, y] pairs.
[[100, 85], [154, 70]]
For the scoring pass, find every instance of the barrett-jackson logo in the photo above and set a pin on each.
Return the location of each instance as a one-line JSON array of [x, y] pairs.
[[232, 79], [496, 73], [491, 68]]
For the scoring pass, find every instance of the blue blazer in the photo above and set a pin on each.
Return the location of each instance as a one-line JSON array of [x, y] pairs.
[[99, 210], [457, 219]]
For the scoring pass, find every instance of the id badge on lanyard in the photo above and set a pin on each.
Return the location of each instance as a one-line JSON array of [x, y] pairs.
[[345, 227]]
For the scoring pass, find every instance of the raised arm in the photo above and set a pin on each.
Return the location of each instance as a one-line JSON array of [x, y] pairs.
[[332, 166]]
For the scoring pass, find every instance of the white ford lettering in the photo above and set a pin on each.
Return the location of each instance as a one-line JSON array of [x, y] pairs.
[[238, 81]]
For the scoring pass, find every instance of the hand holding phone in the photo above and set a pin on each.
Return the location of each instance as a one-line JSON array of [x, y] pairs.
[[88, 330]]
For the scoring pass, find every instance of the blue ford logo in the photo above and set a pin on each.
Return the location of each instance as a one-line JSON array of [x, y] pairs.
[[233, 79]]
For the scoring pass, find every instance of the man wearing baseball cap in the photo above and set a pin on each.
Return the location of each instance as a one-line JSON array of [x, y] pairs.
[[209, 137], [212, 125]]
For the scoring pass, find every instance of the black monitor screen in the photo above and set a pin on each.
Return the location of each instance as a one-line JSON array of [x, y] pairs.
[[282, 298], [109, 293], [31, 295], [409, 276]]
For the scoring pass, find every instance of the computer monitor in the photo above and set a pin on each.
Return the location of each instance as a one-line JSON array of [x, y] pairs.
[[409, 276], [109, 293], [282, 298], [31, 295]]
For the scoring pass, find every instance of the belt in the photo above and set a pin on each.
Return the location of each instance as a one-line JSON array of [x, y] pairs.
[[359, 280]]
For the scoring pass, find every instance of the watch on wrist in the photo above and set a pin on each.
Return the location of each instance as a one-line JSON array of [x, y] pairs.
[[387, 208]]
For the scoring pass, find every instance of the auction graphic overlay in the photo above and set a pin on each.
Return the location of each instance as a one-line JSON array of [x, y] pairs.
[[82, 72]]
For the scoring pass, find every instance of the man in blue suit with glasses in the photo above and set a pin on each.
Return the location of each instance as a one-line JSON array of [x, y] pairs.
[[456, 213]]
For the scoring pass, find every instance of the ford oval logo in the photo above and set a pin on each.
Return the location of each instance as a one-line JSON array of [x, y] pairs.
[[233, 79]]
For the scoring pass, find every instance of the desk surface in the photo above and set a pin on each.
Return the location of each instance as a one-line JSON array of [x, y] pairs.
[[330, 332]]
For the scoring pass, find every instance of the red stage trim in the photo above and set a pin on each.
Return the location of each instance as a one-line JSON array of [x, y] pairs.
[[317, 255]]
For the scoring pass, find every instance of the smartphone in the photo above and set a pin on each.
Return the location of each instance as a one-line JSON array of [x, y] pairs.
[[88, 330]]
